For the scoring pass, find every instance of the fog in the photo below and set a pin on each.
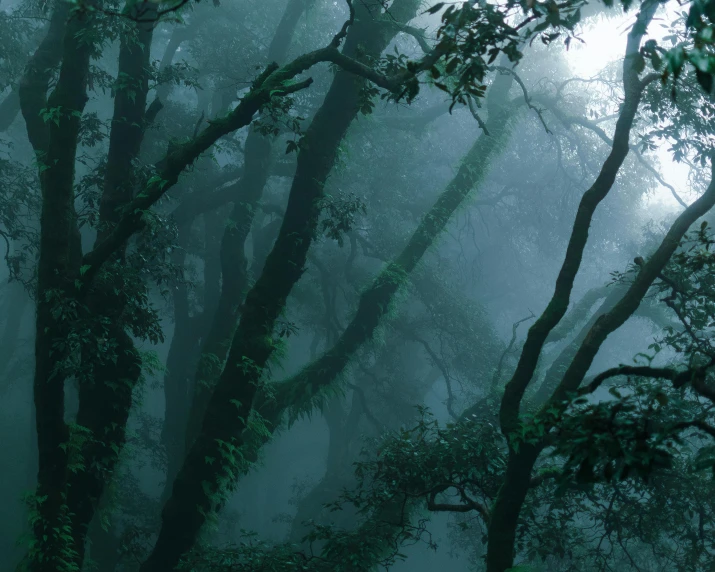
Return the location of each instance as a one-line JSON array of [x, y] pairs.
[[357, 285]]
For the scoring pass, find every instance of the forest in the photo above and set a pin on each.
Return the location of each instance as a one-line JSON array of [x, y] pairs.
[[357, 285]]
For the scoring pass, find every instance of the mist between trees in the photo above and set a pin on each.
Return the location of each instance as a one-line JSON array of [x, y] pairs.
[[357, 285]]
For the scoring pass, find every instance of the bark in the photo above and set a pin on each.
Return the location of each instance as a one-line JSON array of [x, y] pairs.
[[274, 82], [180, 363], [554, 312], [507, 506], [559, 365], [577, 314], [189, 329], [32, 91], [375, 302], [233, 267], [506, 509], [127, 128], [234, 264], [56, 146], [628, 304], [212, 464], [106, 400], [301, 391]]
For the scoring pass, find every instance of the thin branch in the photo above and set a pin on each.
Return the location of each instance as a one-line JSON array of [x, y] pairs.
[[473, 111], [678, 378], [593, 126], [340, 36], [468, 504], [440, 365], [500, 365], [527, 99]]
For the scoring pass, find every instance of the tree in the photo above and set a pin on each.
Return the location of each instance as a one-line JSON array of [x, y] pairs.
[[123, 220]]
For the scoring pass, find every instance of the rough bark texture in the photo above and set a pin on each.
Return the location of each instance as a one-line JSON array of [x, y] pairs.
[[106, 400]]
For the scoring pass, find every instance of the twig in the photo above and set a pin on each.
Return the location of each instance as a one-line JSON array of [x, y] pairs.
[[340, 36], [500, 365], [592, 125], [527, 99], [473, 111]]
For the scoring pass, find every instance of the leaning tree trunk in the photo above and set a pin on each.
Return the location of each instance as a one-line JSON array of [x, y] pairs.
[[212, 464], [376, 301], [300, 391], [192, 369], [234, 264], [522, 457]]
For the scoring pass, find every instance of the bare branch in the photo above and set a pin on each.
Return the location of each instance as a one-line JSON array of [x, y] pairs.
[[527, 99], [340, 36], [473, 111], [568, 120]]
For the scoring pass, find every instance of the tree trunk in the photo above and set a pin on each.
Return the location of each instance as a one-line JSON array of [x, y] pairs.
[[375, 302], [507, 507], [55, 144], [234, 264], [213, 462], [105, 400]]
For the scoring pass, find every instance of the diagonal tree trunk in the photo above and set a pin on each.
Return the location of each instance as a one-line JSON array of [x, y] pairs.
[[234, 264], [180, 386], [212, 466], [507, 505], [375, 302], [300, 392]]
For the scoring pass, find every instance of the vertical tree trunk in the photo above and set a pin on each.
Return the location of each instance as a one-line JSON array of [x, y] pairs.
[[55, 144], [180, 367], [507, 507], [106, 400]]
